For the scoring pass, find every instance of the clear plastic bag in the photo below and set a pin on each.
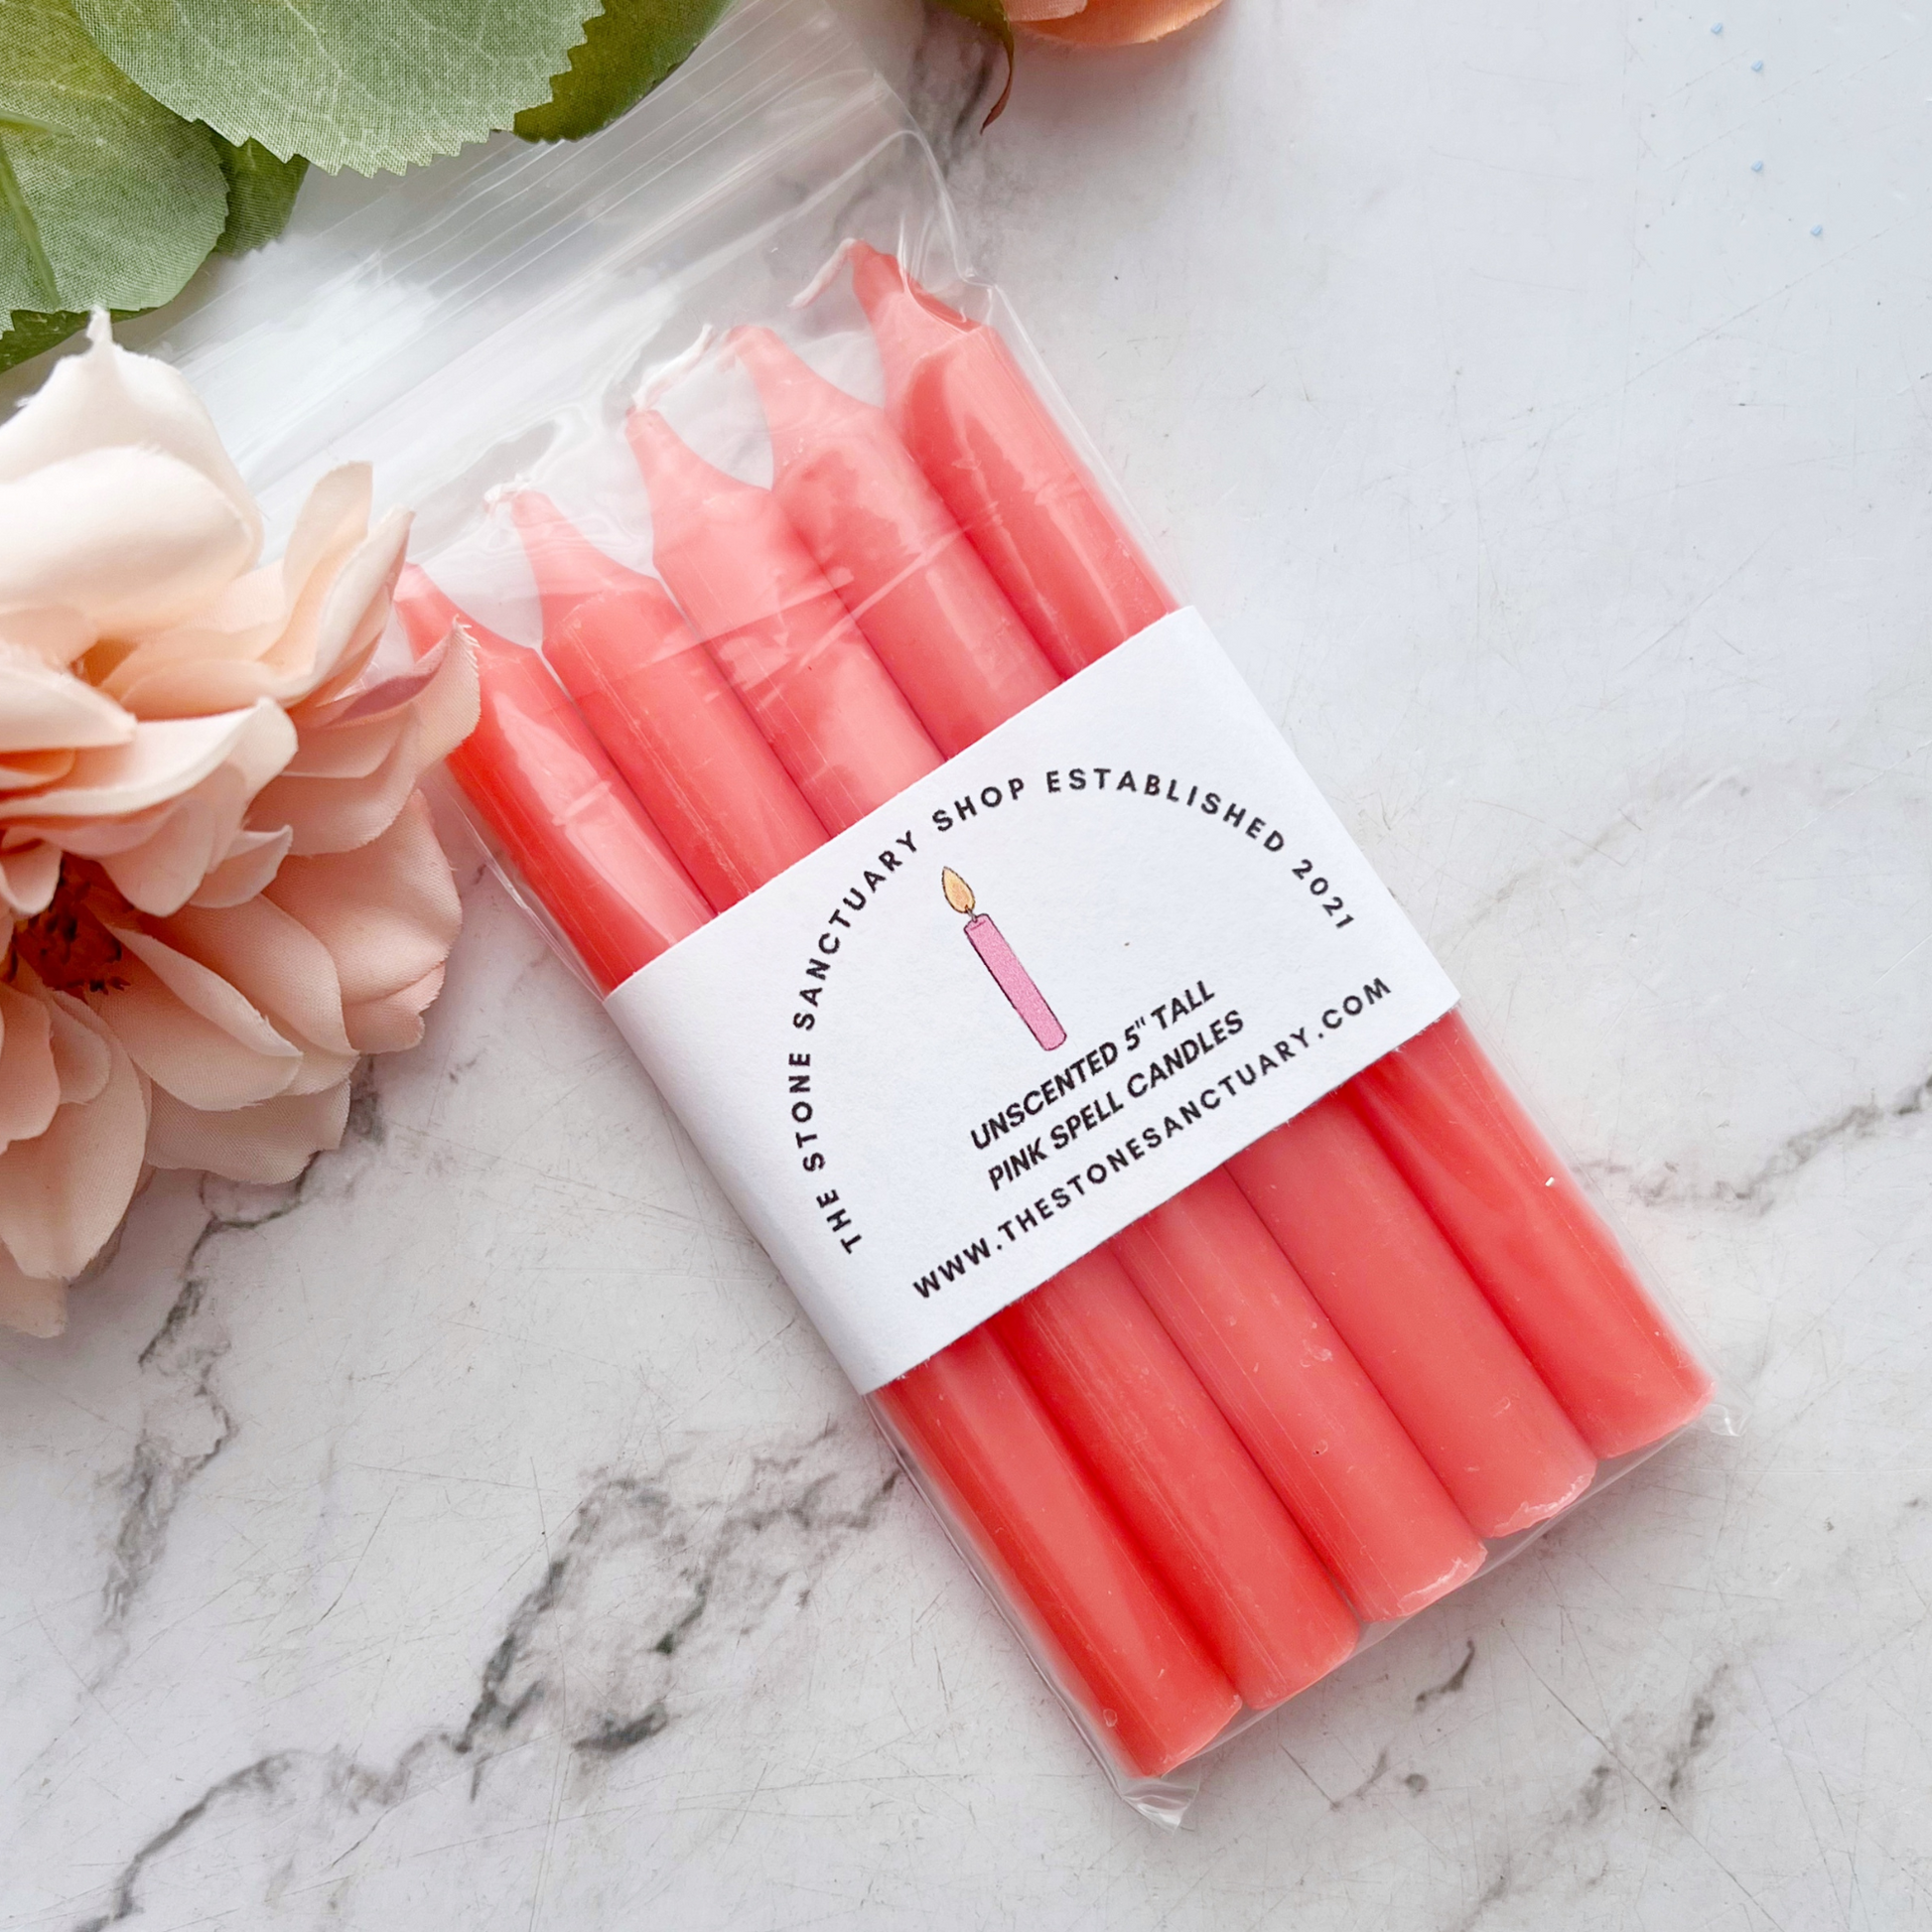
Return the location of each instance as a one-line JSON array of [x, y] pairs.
[[710, 407]]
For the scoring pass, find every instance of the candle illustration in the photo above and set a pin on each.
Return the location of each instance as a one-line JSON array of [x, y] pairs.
[[999, 959]]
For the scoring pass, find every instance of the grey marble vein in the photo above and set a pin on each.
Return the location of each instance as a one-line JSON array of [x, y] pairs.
[[581, 1654]]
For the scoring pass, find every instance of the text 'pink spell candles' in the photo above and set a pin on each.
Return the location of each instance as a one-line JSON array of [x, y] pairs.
[[999, 959]]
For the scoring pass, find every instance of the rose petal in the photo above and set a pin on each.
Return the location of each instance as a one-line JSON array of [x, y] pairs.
[[132, 539], [192, 1032], [30, 1305], [29, 876], [161, 873], [388, 912], [241, 623], [370, 704], [44, 709], [186, 1053], [1022, 13], [204, 991], [264, 1143], [56, 636], [336, 611], [29, 1088], [340, 814], [28, 770], [330, 815], [62, 1193], [253, 860], [333, 520], [110, 397], [1122, 23], [161, 857], [344, 753], [82, 1064], [258, 610], [391, 1024], [161, 762], [273, 959], [356, 610]]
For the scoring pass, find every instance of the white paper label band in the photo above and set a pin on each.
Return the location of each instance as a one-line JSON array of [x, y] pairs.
[[1032, 997]]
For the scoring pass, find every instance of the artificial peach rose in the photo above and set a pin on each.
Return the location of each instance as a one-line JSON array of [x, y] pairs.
[[1106, 23], [220, 883]]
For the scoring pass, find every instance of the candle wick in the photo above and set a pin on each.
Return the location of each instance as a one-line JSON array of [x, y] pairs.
[[669, 375]]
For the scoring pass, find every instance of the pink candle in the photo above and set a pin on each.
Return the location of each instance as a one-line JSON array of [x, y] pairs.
[[777, 630], [979, 1435], [1447, 1120], [842, 478], [1415, 1321], [1532, 1240], [566, 817], [1282, 1375], [993, 451], [914, 586], [999, 959], [1121, 1392], [661, 707]]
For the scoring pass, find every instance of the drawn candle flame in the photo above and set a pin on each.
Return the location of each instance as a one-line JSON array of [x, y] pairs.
[[1003, 963]]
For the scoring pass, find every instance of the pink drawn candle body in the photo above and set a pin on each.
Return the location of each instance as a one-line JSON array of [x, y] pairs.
[[999, 959]]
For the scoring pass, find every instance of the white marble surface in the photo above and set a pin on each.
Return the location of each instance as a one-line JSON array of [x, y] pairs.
[[471, 1537]]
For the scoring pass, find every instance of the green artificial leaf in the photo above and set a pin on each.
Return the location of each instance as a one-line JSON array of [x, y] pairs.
[[261, 194], [627, 50], [32, 330], [105, 197], [350, 84], [992, 15]]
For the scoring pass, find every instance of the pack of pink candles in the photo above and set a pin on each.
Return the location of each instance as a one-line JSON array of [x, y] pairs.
[[1117, 1132]]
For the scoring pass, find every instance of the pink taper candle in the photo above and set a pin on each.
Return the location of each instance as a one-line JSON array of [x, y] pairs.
[[992, 449], [1415, 1321], [778, 629], [1556, 1274], [1145, 1426], [1121, 1391], [917, 588], [977, 1431], [664, 711], [567, 820], [1313, 1419]]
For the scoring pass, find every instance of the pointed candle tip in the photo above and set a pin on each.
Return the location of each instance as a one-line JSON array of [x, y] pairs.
[[907, 321], [428, 614], [960, 894], [801, 405], [569, 568], [662, 455], [875, 275], [766, 359]]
